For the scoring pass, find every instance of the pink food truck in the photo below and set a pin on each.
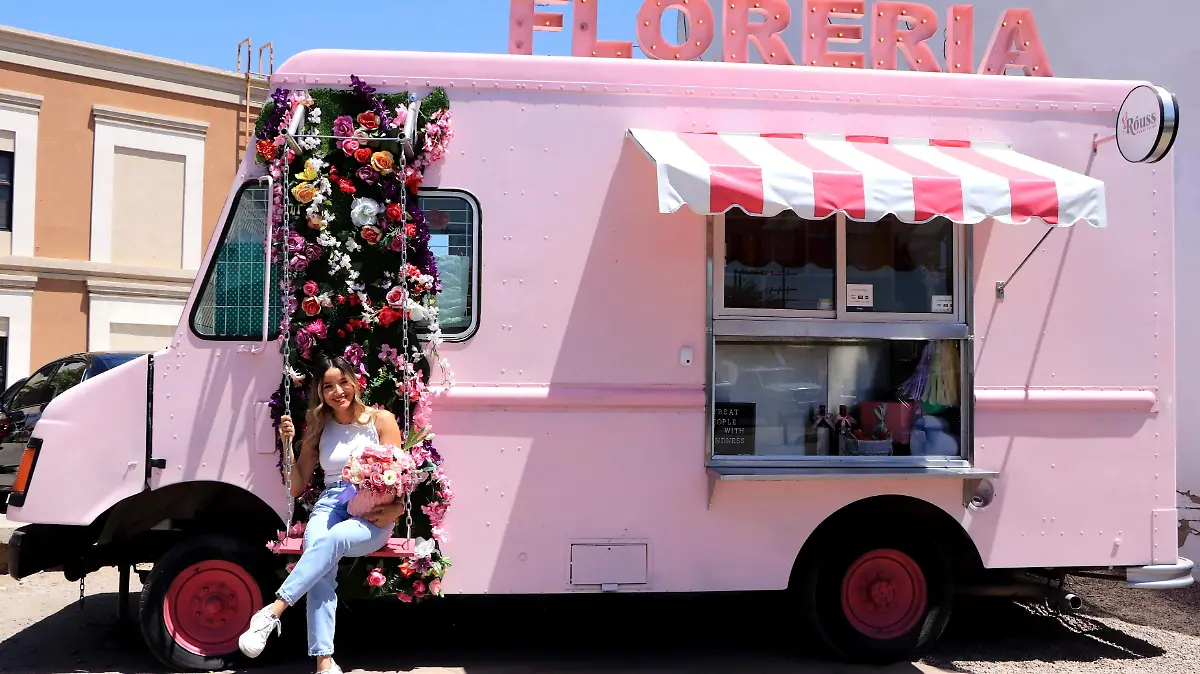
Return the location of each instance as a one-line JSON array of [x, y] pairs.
[[835, 329]]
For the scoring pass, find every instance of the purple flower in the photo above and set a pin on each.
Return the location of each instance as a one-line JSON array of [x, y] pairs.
[[270, 128], [367, 174], [304, 340], [312, 251], [295, 242], [343, 126], [298, 263], [389, 188], [355, 354]]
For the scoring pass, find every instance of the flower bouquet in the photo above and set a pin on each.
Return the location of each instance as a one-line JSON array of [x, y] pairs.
[[381, 473]]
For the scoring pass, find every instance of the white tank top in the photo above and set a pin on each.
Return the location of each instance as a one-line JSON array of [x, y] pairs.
[[340, 441]]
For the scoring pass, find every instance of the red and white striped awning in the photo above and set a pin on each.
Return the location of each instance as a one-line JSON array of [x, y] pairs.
[[865, 178]]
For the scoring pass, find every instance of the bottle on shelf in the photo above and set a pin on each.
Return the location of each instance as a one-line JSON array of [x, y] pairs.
[[823, 430], [845, 435]]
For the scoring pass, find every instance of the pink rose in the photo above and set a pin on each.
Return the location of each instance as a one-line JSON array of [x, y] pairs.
[[310, 288], [403, 596], [435, 587], [343, 126], [311, 306], [350, 146], [290, 567], [376, 578], [372, 234], [395, 297], [418, 589]]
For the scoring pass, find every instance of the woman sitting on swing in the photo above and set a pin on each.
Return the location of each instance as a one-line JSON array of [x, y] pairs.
[[338, 424]]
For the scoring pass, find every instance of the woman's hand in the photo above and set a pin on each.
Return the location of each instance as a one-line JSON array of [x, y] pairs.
[[287, 430], [385, 515]]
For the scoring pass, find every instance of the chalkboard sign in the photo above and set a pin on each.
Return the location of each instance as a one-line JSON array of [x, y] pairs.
[[733, 429]]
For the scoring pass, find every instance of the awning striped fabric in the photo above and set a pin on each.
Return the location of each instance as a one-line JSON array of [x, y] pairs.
[[866, 178]]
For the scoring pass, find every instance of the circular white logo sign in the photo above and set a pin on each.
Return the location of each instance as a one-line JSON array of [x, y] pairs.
[[1147, 124]]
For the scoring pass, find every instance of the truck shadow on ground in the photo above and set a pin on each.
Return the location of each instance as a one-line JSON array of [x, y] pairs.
[[488, 636]]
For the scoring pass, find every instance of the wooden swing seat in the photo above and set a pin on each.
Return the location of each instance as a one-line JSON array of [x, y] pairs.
[[395, 547]]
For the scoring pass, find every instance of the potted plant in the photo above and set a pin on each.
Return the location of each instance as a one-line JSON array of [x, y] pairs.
[[877, 441]]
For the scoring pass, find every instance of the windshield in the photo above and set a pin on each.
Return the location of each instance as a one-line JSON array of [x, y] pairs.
[[108, 361]]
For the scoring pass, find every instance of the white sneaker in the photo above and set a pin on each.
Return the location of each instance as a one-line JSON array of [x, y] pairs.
[[254, 639], [333, 669]]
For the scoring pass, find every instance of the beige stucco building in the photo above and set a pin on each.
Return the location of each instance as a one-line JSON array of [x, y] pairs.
[[114, 167]]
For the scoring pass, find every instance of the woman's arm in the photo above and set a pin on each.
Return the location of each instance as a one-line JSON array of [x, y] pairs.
[[304, 467], [389, 430]]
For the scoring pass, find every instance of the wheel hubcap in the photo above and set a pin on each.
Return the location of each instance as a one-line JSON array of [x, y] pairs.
[[884, 594], [208, 605]]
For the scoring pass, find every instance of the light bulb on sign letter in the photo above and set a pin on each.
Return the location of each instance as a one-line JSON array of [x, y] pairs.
[[585, 40], [960, 39], [819, 32], [700, 22], [887, 38], [523, 19], [739, 31], [1016, 29]]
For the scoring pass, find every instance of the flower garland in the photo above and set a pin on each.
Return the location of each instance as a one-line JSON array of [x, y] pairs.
[[351, 214]]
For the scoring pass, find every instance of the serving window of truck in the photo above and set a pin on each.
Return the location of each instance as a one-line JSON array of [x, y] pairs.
[[840, 287]]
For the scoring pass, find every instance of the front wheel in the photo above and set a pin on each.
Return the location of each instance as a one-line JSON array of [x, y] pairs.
[[879, 603], [199, 598]]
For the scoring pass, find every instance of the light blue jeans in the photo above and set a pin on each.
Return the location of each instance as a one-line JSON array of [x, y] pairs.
[[332, 533]]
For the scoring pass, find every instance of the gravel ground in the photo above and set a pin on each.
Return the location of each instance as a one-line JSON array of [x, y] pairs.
[[44, 630]]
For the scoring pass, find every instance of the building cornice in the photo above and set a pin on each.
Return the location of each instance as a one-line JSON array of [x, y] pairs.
[[137, 291], [20, 101], [18, 282], [85, 270], [72, 57], [149, 122]]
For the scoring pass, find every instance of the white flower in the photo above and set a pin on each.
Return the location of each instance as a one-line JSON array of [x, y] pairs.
[[364, 211], [415, 311], [327, 240], [352, 245]]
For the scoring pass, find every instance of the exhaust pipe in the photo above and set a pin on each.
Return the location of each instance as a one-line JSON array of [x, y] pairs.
[[1054, 598], [1069, 603]]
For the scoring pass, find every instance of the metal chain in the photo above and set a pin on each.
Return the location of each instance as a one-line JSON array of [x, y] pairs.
[[408, 521], [286, 320]]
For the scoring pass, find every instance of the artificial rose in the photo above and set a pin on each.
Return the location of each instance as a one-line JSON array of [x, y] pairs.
[[416, 312], [310, 288], [388, 316], [435, 587], [364, 211], [395, 297], [362, 155], [368, 120], [394, 212], [317, 221], [371, 234], [410, 229], [266, 148], [304, 192], [312, 251], [376, 578], [350, 146], [304, 340], [346, 186], [401, 115], [309, 173], [403, 596], [383, 162], [290, 567], [318, 328], [418, 589], [311, 306], [343, 126], [367, 175]]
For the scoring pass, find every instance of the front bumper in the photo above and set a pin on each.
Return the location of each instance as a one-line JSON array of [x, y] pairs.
[[1161, 576]]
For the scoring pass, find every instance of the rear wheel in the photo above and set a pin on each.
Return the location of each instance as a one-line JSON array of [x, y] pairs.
[[878, 602], [199, 598]]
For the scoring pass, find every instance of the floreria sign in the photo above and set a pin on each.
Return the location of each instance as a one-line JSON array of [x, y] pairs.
[[896, 28]]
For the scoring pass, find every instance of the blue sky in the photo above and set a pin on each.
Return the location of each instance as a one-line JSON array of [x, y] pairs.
[[208, 32]]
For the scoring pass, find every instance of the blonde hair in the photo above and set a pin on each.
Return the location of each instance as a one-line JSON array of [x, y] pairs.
[[318, 412]]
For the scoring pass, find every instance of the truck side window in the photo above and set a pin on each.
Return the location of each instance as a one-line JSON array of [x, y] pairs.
[[231, 303], [453, 219]]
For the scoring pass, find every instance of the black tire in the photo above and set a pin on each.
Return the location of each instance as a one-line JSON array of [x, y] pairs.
[[249, 571], [822, 595]]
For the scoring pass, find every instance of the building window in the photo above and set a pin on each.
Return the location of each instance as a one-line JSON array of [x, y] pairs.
[[6, 191], [231, 304], [837, 340], [453, 219]]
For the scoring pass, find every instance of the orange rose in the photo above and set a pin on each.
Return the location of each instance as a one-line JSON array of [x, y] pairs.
[[383, 162], [304, 192]]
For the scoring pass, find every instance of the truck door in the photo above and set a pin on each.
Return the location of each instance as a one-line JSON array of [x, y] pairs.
[[211, 388]]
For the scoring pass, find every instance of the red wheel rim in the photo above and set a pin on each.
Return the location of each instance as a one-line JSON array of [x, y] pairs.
[[883, 594], [209, 605]]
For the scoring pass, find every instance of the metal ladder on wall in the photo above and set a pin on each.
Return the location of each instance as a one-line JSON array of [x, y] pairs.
[[257, 91]]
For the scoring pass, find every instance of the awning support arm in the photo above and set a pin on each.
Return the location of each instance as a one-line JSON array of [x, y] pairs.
[[1097, 141]]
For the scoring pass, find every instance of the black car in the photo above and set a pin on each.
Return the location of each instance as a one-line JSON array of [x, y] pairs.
[[22, 403]]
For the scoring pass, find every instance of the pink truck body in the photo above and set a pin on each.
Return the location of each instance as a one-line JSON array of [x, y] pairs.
[[577, 431]]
